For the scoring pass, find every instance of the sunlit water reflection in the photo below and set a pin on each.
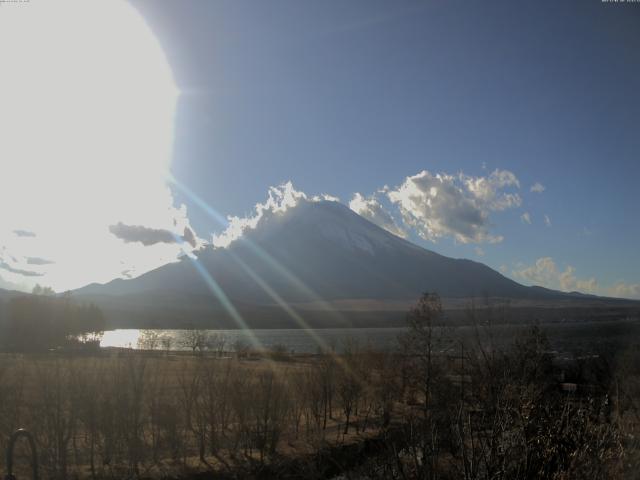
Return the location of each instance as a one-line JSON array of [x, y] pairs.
[[295, 340], [575, 336]]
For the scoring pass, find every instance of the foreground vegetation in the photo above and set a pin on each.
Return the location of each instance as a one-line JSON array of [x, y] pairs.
[[433, 409]]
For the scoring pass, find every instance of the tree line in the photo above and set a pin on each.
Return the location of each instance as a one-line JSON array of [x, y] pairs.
[[44, 321]]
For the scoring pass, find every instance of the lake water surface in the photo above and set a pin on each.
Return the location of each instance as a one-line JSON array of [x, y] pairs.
[[570, 336], [295, 340]]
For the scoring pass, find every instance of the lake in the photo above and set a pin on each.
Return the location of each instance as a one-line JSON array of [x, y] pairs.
[[295, 340], [569, 336]]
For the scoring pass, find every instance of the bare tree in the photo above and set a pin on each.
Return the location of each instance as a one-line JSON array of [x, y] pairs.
[[195, 340], [149, 339]]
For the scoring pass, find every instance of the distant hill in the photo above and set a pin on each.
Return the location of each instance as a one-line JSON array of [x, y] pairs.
[[318, 262]]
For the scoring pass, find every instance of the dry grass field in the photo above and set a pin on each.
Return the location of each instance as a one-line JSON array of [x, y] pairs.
[[482, 412], [123, 413]]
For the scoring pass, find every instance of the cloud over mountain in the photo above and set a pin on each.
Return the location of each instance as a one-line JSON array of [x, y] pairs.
[[544, 272], [371, 209], [279, 200], [434, 206], [458, 206], [625, 290]]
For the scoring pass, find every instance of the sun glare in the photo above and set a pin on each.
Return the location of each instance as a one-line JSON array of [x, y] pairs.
[[87, 102]]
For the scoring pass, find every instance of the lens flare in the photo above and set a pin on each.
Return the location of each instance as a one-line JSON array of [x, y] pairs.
[[87, 115]]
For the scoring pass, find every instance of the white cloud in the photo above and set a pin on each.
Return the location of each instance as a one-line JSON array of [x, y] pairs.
[[479, 251], [537, 188], [488, 191], [545, 273], [547, 220], [454, 205], [625, 290], [325, 197], [280, 200], [526, 218], [371, 209], [569, 282]]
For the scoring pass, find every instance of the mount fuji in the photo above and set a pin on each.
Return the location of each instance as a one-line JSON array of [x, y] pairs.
[[317, 263]]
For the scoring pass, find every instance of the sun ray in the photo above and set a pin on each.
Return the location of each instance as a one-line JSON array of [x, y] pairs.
[[259, 252]]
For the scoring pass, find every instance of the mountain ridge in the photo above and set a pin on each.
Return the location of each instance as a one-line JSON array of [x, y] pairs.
[[318, 253]]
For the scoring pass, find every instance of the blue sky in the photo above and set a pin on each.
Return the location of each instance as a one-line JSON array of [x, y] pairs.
[[339, 98], [344, 97]]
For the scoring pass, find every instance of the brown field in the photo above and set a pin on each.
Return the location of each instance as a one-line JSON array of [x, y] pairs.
[[148, 414], [471, 413]]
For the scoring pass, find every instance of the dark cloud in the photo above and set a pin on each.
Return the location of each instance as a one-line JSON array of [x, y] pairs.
[[189, 237], [39, 261], [24, 233], [145, 235], [150, 236], [26, 273]]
